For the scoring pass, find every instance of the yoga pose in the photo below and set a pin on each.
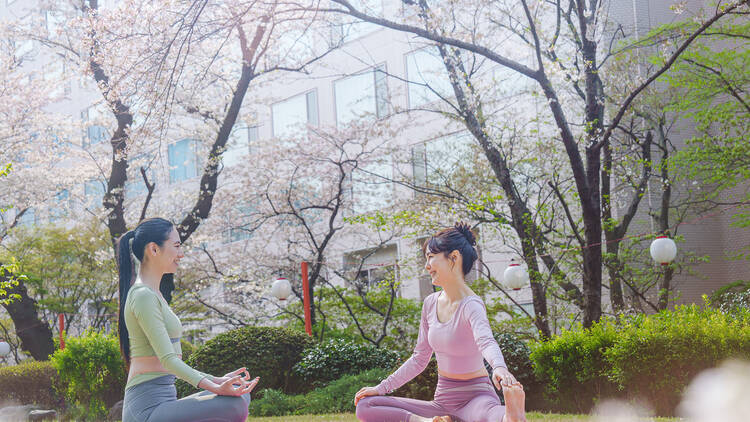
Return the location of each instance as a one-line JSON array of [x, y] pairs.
[[454, 325], [150, 340]]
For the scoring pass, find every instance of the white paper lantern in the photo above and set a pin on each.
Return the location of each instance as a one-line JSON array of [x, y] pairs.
[[663, 250], [515, 277], [4, 349], [281, 288]]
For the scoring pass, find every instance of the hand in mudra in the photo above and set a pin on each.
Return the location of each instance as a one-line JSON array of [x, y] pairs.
[[364, 392], [241, 372]]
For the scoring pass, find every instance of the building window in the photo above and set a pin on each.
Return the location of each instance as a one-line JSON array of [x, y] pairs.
[[28, 219], [427, 78], [440, 159], [134, 185], [528, 307], [241, 226], [183, 160], [372, 186], [361, 95], [58, 211], [239, 144], [347, 28], [371, 267], [95, 118], [54, 21], [23, 47], [93, 190], [291, 116]]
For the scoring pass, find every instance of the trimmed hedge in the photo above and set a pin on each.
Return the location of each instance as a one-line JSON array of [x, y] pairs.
[[422, 387], [573, 369], [336, 397], [268, 352], [31, 382], [655, 357], [333, 359], [649, 358]]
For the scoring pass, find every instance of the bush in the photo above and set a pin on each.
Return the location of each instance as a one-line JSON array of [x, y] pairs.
[[517, 356], [333, 359], [336, 397], [573, 369], [422, 387], [268, 352], [656, 356], [91, 372], [187, 349], [31, 382], [733, 297]]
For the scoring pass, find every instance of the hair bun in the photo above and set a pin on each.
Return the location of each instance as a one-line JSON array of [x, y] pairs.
[[465, 230]]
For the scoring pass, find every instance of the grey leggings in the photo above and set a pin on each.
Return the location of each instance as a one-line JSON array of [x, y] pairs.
[[156, 401]]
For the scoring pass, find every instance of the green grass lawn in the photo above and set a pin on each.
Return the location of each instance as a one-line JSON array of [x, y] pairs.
[[349, 417]]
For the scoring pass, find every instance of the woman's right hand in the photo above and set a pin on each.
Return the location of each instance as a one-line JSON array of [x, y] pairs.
[[364, 392]]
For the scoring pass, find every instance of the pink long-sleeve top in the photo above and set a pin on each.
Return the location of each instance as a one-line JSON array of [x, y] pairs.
[[459, 343]]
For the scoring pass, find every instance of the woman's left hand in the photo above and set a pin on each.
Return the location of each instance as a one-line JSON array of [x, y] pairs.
[[502, 377], [241, 372]]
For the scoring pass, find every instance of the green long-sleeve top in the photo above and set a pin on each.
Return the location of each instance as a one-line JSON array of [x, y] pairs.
[[154, 330]]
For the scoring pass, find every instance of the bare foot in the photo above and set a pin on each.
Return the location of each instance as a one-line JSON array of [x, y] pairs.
[[415, 418], [442, 419], [515, 403]]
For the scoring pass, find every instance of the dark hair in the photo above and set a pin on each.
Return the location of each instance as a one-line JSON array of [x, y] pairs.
[[457, 238], [150, 230]]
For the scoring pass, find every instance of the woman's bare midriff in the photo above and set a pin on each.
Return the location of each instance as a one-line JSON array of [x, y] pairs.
[[143, 364], [470, 375]]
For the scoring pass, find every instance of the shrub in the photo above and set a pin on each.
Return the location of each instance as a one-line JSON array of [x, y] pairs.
[[336, 397], [733, 297], [517, 356], [91, 372], [31, 382], [187, 349], [268, 352], [656, 356], [572, 367], [422, 387], [333, 359]]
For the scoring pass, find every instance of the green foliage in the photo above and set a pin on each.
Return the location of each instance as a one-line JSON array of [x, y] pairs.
[[92, 373], [654, 357], [31, 382], [336, 397], [268, 352], [67, 267], [643, 357], [422, 387], [517, 356], [401, 332], [187, 349], [572, 367], [9, 278], [734, 297], [332, 359]]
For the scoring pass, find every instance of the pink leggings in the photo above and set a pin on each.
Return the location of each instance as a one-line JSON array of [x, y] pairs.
[[471, 400]]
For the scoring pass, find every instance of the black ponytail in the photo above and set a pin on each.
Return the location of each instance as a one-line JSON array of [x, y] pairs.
[[155, 230], [126, 267], [457, 238]]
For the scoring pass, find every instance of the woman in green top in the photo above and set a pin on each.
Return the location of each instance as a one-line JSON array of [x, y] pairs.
[[150, 340]]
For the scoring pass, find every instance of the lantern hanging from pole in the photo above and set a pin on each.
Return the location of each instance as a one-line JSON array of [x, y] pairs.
[[281, 288], [663, 250], [4, 348], [515, 276]]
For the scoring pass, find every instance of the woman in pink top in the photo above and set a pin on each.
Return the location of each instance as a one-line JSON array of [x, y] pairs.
[[455, 327]]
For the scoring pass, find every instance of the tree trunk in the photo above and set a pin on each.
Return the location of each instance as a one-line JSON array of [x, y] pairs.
[[35, 334]]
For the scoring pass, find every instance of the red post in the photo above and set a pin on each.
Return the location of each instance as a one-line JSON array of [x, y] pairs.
[[61, 321], [306, 299]]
